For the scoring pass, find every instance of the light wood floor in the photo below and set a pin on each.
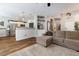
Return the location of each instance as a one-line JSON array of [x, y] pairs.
[[39, 50], [9, 45]]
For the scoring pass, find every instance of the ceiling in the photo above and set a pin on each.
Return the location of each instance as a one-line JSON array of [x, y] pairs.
[[12, 9]]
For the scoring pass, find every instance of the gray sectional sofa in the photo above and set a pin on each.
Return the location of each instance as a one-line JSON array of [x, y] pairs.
[[69, 39]]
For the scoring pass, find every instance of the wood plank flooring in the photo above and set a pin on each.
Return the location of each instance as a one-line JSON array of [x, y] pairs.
[[9, 44]]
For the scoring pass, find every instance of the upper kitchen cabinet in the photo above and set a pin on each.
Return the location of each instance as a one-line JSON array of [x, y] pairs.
[[40, 22]]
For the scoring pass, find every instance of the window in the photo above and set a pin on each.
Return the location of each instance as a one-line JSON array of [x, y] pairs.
[[31, 25]]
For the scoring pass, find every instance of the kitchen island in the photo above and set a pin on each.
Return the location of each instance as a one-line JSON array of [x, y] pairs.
[[3, 32], [24, 33]]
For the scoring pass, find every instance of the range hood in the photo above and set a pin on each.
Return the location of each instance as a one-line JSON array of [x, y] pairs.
[[17, 21]]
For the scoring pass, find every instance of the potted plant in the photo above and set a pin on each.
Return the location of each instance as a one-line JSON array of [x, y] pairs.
[[76, 26]]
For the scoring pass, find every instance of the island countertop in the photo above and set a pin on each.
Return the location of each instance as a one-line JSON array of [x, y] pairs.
[[3, 32], [21, 28], [24, 33]]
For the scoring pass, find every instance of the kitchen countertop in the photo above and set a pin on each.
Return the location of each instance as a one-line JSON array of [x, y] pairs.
[[21, 28]]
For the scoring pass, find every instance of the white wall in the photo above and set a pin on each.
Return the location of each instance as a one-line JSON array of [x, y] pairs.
[[5, 20], [29, 21], [3, 29], [67, 24]]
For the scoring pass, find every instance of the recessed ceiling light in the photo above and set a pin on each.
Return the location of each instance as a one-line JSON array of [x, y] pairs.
[[68, 14]]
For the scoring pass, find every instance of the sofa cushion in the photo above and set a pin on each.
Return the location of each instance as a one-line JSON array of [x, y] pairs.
[[44, 40], [59, 34], [58, 41], [58, 37], [72, 35], [73, 44]]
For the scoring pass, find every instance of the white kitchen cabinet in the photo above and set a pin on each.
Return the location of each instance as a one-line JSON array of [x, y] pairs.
[[24, 33], [3, 33]]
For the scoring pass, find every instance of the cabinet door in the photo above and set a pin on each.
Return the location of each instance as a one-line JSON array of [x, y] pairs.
[[21, 34]]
